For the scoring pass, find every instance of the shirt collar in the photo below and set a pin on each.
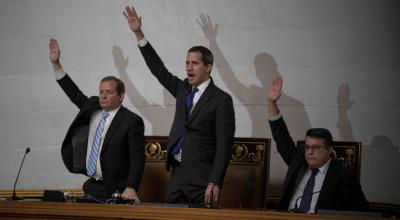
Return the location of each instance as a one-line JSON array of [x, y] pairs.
[[114, 111], [204, 85], [324, 168]]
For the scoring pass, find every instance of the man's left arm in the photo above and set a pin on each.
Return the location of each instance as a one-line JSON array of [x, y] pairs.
[[136, 159], [225, 131]]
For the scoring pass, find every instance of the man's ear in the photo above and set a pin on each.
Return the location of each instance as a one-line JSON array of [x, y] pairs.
[[209, 68], [332, 152], [122, 97]]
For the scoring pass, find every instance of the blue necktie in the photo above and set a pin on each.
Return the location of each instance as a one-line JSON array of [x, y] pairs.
[[308, 192], [189, 101], [189, 104], [94, 152]]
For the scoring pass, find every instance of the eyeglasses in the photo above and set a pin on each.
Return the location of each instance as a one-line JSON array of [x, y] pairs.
[[312, 147]]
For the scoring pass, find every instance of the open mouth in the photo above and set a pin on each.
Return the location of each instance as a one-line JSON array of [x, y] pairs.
[[190, 75]]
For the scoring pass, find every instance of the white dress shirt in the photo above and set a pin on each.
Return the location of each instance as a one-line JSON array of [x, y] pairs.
[[319, 180], [94, 122]]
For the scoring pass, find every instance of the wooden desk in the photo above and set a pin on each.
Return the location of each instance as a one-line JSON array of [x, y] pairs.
[[52, 210]]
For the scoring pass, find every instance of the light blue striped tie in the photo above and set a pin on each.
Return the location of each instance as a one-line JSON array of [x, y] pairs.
[[91, 166]]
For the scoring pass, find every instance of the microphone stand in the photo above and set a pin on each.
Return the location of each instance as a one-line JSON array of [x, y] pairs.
[[14, 197], [296, 209]]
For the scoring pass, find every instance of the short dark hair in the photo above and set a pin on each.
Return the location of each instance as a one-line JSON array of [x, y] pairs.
[[120, 85], [206, 55], [321, 133]]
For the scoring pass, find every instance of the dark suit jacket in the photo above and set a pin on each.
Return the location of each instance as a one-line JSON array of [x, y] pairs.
[[208, 132], [340, 190], [122, 153]]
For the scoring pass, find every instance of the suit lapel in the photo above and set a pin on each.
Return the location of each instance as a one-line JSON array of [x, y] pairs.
[[290, 184], [112, 128], [207, 94], [328, 182]]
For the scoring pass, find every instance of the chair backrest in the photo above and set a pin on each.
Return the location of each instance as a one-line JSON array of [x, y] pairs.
[[349, 152], [246, 179]]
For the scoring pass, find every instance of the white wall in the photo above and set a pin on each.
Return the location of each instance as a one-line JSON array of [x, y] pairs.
[[329, 52]]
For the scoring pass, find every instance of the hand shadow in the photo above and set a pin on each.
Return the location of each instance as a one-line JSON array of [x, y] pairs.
[[379, 159], [253, 97], [343, 105], [153, 113]]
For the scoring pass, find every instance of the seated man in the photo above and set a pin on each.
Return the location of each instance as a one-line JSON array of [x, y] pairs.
[[314, 180]]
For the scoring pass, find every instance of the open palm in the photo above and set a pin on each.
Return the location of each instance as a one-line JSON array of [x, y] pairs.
[[134, 21], [275, 91], [209, 30], [54, 51]]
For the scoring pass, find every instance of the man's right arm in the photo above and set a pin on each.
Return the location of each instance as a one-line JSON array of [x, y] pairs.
[[66, 83], [284, 142], [153, 61]]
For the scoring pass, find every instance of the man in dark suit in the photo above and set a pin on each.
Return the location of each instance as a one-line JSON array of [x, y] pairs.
[[314, 179], [105, 141], [201, 138]]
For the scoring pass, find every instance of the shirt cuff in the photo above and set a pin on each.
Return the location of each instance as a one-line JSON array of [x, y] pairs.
[[59, 74], [142, 42], [276, 117]]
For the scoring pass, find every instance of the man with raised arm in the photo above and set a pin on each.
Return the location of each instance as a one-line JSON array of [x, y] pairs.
[[314, 179], [105, 141], [201, 138]]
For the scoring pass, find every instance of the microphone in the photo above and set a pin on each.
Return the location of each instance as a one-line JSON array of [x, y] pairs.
[[296, 209], [14, 197]]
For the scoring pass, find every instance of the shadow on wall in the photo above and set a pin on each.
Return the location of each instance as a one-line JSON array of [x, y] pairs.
[[382, 160], [344, 104], [379, 160], [157, 115], [253, 97]]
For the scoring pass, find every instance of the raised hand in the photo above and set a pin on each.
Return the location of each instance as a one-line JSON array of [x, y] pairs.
[[134, 21], [209, 30], [275, 91], [54, 51]]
